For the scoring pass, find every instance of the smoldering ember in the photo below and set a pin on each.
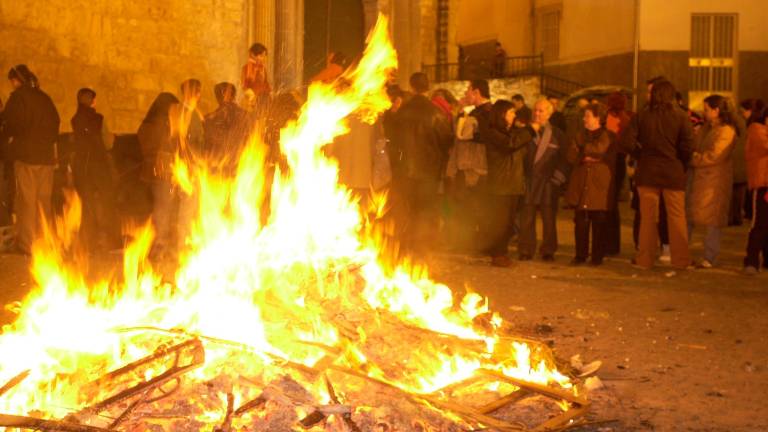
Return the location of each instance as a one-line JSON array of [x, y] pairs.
[[383, 215]]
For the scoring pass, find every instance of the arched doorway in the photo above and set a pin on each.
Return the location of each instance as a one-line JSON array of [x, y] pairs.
[[331, 25]]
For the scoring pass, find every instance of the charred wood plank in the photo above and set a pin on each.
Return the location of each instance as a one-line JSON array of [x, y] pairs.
[[312, 419], [226, 424], [250, 405], [551, 392], [346, 417], [13, 382], [128, 411], [503, 401], [14, 421], [197, 352], [157, 355]]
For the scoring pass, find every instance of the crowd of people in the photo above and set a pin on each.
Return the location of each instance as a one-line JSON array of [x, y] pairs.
[[504, 166], [468, 174]]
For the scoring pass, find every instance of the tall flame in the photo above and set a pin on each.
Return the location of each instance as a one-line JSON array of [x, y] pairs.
[[270, 289]]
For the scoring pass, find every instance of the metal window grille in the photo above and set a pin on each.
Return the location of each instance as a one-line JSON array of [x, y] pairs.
[[712, 56], [441, 29], [550, 35]]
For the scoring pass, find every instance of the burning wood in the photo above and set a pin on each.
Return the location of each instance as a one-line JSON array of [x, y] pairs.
[[296, 324]]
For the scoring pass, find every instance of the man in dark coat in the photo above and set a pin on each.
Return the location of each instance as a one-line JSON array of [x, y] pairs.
[[558, 118], [660, 138], [32, 125], [521, 109], [470, 201], [92, 171], [546, 170], [226, 129], [424, 137]]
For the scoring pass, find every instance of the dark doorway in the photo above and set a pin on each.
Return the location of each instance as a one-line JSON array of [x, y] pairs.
[[331, 25]]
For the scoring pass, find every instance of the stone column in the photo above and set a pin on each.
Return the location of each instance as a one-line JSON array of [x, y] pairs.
[[405, 16], [371, 10], [289, 43], [262, 29]]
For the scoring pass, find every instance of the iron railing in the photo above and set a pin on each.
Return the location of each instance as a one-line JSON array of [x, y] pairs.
[[487, 68], [556, 86], [510, 67]]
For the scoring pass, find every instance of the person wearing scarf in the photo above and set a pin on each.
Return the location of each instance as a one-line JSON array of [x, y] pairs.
[[546, 172]]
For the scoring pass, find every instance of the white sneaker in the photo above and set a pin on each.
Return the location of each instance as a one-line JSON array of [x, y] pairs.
[[665, 257], [704, 264]]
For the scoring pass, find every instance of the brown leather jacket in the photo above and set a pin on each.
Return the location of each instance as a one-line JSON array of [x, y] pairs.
[[661, 141], [593, 154]]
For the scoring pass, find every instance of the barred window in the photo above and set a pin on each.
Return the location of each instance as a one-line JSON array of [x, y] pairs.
[[712, 56], [550, 34]]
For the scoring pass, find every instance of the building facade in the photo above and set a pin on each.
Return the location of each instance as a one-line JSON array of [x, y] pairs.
[[130, 50], [702, 46]]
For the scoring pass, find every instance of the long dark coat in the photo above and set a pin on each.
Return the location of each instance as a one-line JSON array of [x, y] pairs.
[[546, 176], [591, 186], [506, 160], [660, 140]]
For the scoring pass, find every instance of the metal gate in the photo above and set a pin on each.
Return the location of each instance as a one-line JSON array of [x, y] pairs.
[[713, 60]]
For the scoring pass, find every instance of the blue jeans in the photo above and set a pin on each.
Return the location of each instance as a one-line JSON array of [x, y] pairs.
[[712, 238]]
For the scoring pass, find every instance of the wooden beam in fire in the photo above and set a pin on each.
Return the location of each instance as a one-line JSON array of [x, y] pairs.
[[191, 350], [14, 421]]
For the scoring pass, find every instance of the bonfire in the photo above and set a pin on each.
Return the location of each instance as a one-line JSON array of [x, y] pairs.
[[293, 323]]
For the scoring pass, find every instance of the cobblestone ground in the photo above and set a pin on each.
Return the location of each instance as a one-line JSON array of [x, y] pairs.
[[685, 352]]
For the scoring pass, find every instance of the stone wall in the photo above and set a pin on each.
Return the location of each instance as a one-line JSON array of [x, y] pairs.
[[529, 87], [126, 50]]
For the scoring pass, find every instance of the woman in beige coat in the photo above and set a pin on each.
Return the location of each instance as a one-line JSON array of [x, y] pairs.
[[711, 173]]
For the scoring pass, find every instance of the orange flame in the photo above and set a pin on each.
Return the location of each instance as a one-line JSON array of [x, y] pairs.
[[271, 289]]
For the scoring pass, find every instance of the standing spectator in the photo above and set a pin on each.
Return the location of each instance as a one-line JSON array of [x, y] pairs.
[[391, 129], [7, 184], [424, 137], [546, 171], [712, 175], [467, 169], [635, 202], [739, 186], [336, 62], [660, 139], [32, 125], [226, 129], [749, 110], [158, 138], [521, 109], [558, 118], [499, 61], [617, 120], [92, 171], [591, 187], [506, 177], [444, 99], [757, 176], [255, 81]]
